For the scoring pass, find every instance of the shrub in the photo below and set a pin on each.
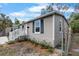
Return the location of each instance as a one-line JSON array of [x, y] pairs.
[[50, 50], [75, 26], [44, 44], [34, 42]]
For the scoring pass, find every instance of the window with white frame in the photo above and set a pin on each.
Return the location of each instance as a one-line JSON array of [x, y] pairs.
[[37, 26]]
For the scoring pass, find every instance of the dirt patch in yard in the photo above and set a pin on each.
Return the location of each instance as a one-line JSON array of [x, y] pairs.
[[25, 48], [74, 50]]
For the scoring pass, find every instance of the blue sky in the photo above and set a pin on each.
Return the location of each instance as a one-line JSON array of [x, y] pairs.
[[27, 11]]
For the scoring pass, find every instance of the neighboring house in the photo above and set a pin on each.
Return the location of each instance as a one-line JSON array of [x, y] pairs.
[[51, 27]]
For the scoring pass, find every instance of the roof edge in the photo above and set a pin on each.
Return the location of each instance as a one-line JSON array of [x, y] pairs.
[[48, 14]]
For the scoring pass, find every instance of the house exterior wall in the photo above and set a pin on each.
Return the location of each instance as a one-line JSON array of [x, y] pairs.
[[59, 35], [51, 33], [48, 31]]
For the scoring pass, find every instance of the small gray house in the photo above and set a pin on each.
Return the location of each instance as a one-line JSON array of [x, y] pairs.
[[51, 27]]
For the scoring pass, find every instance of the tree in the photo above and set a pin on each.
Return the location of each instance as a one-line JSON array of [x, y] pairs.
[[17, 23], [55, 7], [49, 8], [8, 21], [5, 21], [74, 22]]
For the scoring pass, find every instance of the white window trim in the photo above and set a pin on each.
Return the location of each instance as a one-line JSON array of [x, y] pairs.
[[35, 28], [36, 32]]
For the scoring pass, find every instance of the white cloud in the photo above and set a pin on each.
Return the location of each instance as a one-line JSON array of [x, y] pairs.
[[34, 11], [55, 7], [23, 15], [37, 8], [69, 10], [28, 13], [17, 14]]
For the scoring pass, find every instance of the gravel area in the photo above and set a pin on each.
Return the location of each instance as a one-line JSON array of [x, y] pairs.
[[26, 49]]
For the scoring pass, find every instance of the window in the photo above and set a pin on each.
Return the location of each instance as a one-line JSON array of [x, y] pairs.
[[60, 26], [37, 26]]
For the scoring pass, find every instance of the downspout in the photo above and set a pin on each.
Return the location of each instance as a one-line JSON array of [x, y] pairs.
[[62, 46], [53, 34]]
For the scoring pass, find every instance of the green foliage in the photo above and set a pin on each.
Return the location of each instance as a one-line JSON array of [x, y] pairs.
[[75, 25], [74, 18], [49, 8], [17, 22], [50, 50], [44, 44], [5, 22], [34, 42]]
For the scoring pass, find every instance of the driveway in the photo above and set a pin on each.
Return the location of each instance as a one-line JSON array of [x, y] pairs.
[[3, 39]]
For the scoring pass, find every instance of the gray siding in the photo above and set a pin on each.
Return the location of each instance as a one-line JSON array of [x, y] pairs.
[[51, 33], [47, 35], [59, 35]]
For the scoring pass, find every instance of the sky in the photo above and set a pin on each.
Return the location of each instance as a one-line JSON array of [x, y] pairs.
[[27, 11]]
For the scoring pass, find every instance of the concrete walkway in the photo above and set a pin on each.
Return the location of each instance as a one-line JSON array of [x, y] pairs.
[[3, 39]]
